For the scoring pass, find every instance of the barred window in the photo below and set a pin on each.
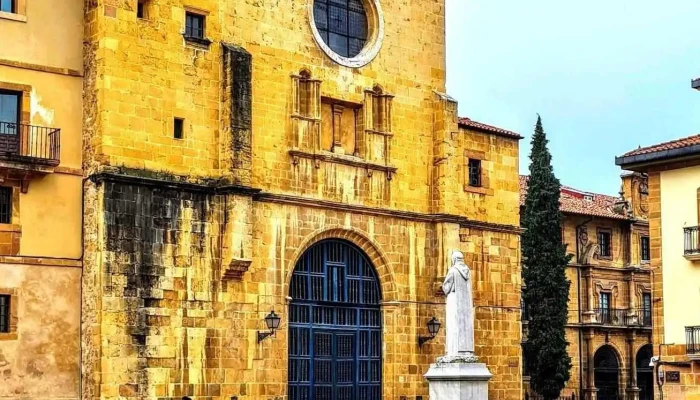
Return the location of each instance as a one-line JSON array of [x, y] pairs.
[[342, 24], [5, 205], [474, 172], [4, 313]]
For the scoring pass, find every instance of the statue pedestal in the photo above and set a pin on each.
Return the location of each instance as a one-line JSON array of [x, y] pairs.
[[458, 381]]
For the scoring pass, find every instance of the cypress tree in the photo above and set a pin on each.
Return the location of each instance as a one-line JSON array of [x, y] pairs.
[[544, 271]]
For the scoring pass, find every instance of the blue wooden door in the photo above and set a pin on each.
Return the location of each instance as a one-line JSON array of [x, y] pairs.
[[335, 333]]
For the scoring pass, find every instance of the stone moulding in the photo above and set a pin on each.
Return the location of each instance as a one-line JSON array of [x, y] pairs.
[[384, 212], [168, 181], [345, 160], [458, 359], [375, 22], [236, 269]]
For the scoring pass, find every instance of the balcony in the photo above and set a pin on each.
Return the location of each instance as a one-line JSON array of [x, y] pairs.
[[27, 150], [692, 341], [691, 239], [631, 318]]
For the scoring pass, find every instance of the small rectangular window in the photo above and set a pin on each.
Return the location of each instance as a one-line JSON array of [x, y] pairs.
[[604, 245], [141, 9], [604, 307], [646, 308], [7, 6], [474, 172], [178, 125], [194, 25], [9, 109], [5, 205], [644, 244], [4, 313]]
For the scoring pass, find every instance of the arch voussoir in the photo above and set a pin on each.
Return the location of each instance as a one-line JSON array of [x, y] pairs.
[[372, 250]]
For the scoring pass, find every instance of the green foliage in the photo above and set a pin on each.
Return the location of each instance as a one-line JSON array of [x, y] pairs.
[[545, 259]]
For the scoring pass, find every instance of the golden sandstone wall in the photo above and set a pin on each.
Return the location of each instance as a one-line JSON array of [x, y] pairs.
[[191, 242]]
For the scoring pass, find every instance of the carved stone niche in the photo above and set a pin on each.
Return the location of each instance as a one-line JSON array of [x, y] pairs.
[[236, 269]]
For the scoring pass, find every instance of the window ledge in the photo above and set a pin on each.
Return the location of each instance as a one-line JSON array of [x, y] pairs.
[[13, 16], [10, 228], [305, 118], [352, 161], [478, 190], [692, 256], [8, 336], [198, 42]]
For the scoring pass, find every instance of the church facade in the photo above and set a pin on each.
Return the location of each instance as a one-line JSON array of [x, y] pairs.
[[274, 191]]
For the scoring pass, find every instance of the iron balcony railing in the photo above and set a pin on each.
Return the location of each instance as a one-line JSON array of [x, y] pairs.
[[29, 143], [644, 317], [623, 317], [529, 396], [692, 240], [692, 339], [612, 316]]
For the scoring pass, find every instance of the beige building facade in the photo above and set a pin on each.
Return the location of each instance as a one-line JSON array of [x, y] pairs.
[[610, 297], [40, 198], [673, 171], [295, 160]]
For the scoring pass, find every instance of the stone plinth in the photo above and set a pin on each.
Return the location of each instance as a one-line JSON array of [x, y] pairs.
[[458, 381]]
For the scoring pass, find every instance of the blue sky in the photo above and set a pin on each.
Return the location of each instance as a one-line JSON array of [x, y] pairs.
[[605, 75]]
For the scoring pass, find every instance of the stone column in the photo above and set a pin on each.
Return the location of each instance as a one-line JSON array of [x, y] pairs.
[[590, 391], [633, 312], [633, 390], [589, 314]]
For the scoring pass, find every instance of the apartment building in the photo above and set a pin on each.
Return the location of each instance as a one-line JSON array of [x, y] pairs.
[[41, 64]]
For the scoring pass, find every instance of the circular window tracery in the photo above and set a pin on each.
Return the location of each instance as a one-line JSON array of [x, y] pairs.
[[349, 31], [342, 24]]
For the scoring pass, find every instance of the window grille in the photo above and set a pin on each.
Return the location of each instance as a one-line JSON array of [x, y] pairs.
[[4, 313], [5, 205]]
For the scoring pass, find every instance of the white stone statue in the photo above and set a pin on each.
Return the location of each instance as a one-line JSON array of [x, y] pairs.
[[458, 375], [459, 324]]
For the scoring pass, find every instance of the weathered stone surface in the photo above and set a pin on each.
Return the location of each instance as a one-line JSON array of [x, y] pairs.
[[157, 313]]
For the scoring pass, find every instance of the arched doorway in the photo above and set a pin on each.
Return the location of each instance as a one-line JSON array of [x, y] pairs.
[[645, 373], [335, 325], [606, 369]]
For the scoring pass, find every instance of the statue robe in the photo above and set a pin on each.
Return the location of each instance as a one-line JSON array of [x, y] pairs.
[[459, 323]]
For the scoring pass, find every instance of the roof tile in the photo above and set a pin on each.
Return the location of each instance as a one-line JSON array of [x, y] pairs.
[[673, 144], [470, 123], [574, 201]]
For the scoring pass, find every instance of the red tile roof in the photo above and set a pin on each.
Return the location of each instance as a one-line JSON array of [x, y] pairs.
[[673, 144], [470, 123], [573, 201]]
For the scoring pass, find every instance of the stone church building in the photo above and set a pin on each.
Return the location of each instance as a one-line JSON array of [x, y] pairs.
[[301, 157]]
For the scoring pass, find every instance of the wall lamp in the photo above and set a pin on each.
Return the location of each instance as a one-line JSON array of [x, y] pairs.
[[272, 321], [433, 329]]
